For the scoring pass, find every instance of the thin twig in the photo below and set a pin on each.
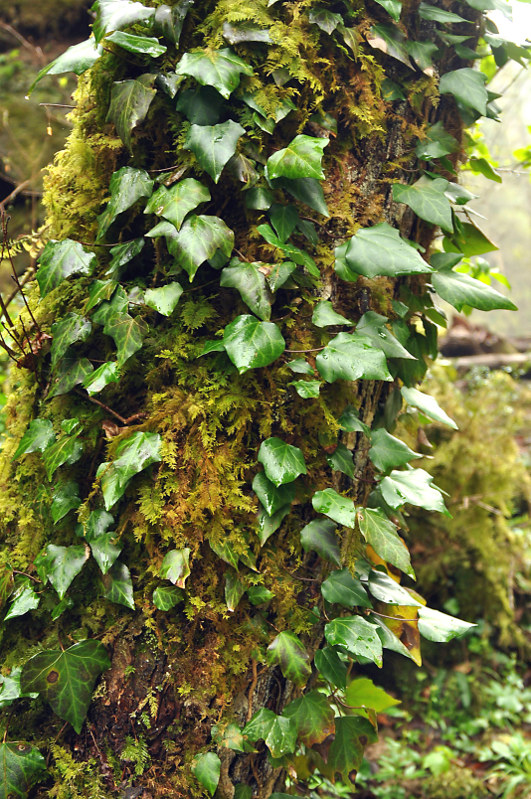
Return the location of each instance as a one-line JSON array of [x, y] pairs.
[[124, 420]]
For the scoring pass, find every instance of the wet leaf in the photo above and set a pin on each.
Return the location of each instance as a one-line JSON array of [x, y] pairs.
[[287, 652], [61, 259], [272, 497], [70, 372], [37, 437], [164, 299], [413, 487], [114, 14], [278, 732], [213, 145], [331, 667], [320, 537], [282, 462], [127, 186], [267, 525], [300, 159], [118, 586], [198, 240], [207, 769], [381, 534], [99, 290], [353, 734], [251, 344], [176, 566], [176, 202], [143, 45], [352, 356], [128, 334], [101, 377], [341, 460], [133, 455], [389, 591], [250, 282], [70, 329], [21, 766], [313, 717], [306, 190], [307, 389], [427, 405], [357, 636], [341, 509], [343, 589], [65, 498], [77, 59], [440, 627], [65, 679], [387, 451], [60, 565], [373, 326], [221, 69], [165, 597], [105, 551], [379, 250], [170, 21], [393, 8], [67, 449], [324, 315], [130, 102], [25, 599], [280, 273]]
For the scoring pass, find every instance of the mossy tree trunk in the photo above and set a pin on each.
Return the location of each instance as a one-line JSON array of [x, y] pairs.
[[176, 673]]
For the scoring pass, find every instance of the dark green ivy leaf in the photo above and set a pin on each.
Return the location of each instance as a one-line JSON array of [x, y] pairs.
[[287, 651], [467, 86], [393, 8], [165, 597], [427, 405], [250, 281], [127, 186], [313, 717], [426, 197], [176, 202], [130, 102], [440, 627], [114, 14], [143, 45], [251, 344], [70, 329], [70, 372], [307, 389], [358, 636], [61, 259], [128, 334], [77, 59], [353, 734], [427, 11], [278, 732], [331, 667], [387, 451], [436, 143], [221, 69], [267, 525], [341, 460], [352, 356], [343, 589], [105, 551], [67, 449], [170, 21], [234, 590], [373, 325], [300, 159], [198, 241], [282, 462], [320, 537], [213, 145], [65, 498], [133, 455], [341, 509], [101, 377], [272, 497], [60, 565], [118, 586], [324, 315], [306, 190], [23, 600], [99, 291], [66, 679], [324, 19], [21, 766]]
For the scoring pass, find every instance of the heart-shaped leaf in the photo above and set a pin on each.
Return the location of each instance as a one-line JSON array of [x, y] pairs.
[[428, 200], [357, 636], [341, 460], [105, 551], [282, 462], [287, 651], [341, 509], [313, 717], [21, 766], [467, 86], [165, 597], [128, 334], [324, 315], [60, 565], [65, 498], [331, 667], [380, 533], [24, 600], [67, 449], [133, 455], [373, 325], [379, 250], [213, 145], [389, 591], [278, 732], [70, 329], [251, 344], [61, 259], [65, 679], [352, 734], [306, 190], [77, 59], [272, 497], [221, 69], [352, 356], [320, 537], [118, 586], [176, 202], [413, 487], [176, 566], [164, 299], [101, 377], [250, 281], [300, 159], [127, 186], [198, 240], [436, 143], [207, 769], [387, 451], [130, 102], [234, 590], [169, 21], [307, 389]]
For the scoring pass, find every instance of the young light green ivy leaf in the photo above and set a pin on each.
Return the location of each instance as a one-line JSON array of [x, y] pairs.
[[130, 102], [176, 202], [341, 509], [221, 69], [427, 199], [207, 769], [307, 389], [213, 145], [65, 679], [381, 534], [24, 600], [282, 462], [287, 652], [176, 566], [133, 455], [352, 356], [379, 250], [61, 259], [164, 299], [440, 627], [251, 344], [324, 315], [127, 186], [250, 282], [166, 597], [300, 159], [387, 451], [234, 590], [362, 692]]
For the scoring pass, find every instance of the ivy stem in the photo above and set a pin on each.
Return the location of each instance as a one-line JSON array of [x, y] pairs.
[[315, 349], [25, 574], [122, 419]]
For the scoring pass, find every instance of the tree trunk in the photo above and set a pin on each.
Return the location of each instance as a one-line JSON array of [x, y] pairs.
[[177, 673]]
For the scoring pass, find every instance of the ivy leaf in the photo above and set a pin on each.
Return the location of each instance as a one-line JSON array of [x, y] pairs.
[[427, 11], [278, 732], [250, 281], [393, 8], [284, 219], [379, 250], [130, 102], [176, 566], [459, 290], [71, 372], [198, 240], [427, 199], [143, 45], [234, 590], [389, 591], [386, 451], [133, 455], [313, 717], [306, 190], [123, 254], [287, 652], [99, 290], [341, 509], [468, 240], [352, 356], [307, 389], [272, 497], [21, 766], [207, 769], [331, 667], [118, 586], [66, 679], [324, 315], [170, 21], [165, 597], [70, 329], [25, 599], [259, 594], [345, 755], [440, 627], [362, 692], [427, 405], [373, 325], [61, 259], [176, 202], [357, 636], [221, 69], [60, 565], [300, 366], [127, 186], [77, 59], [10, 688], [392, 642], [380, 533], [213, 145], [127, 333], [324, 19], [65, 498], [67, 449], [37, 437], [467, 86], [164, 299], [101, 377], [341, 460], [320, 537], [105, 551], [300, 159], [113, 14], [436, 143], [97, 524], [342, 588], [415, 487], [282, 462], [251, 344], [267, 524]]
